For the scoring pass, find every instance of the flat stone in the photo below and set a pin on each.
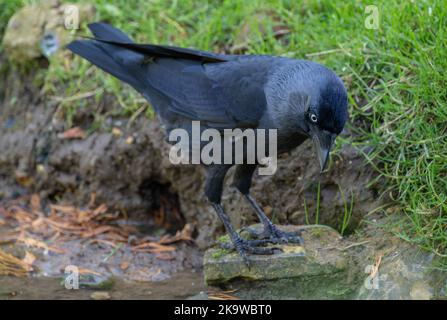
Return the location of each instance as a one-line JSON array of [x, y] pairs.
[[29, 25], [318, 269], [100, 295]]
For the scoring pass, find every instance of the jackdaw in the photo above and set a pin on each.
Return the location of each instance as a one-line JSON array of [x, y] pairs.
[[300, 99]]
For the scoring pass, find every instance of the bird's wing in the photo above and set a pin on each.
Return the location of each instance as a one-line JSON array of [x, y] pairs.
[[224, 91], [224, 95]]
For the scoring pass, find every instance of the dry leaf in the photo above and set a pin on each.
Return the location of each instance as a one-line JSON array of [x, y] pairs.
[[117, 132], [165, 256], [10, 265], [39, 244], [130, 140], [152, 247], [92, 200], [375, 268], [222, 295], [28, 261], [63, 209], [35, 202], [184, 235], [124, 265], [88, 271], [23, 178], [73, 133]]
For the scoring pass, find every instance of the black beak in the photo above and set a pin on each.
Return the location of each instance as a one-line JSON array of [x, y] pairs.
[[323, 141]]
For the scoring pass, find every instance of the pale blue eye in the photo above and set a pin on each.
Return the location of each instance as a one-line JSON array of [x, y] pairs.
[[313, 118]]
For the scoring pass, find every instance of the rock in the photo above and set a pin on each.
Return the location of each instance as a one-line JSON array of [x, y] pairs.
[[202, 295], [319, 269], [405, 272], [39, 29], [95, 282], [371, 265], [100, 295], [421, 290]]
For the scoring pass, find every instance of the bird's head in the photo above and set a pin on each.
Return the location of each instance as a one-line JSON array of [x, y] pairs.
[[323, 114]]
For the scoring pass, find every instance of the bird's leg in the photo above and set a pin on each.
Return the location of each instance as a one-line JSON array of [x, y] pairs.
[[271, 232], [241, 245], [242, 181], [213, 191]]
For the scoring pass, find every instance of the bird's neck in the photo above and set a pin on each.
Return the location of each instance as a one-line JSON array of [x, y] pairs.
[[288, 136]]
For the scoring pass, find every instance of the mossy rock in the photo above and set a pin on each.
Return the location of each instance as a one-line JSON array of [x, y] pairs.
[[28, 26], [318, 269]]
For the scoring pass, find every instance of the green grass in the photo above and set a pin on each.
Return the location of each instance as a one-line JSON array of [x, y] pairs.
[[395, 77], [7, 9], [347, 211]]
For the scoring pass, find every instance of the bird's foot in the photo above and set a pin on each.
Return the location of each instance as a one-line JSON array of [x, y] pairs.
[[244, 247], [274, 235]]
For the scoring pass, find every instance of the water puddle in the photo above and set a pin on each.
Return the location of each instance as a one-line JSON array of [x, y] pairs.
[[181, 285]]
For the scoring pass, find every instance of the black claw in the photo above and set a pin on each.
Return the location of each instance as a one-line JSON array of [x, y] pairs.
[[274, 235], [246, 243], [244, 247], [286, 237], [243, 255], [263, 251]]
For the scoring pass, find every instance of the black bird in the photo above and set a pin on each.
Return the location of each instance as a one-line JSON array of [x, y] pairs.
[[301, 99]]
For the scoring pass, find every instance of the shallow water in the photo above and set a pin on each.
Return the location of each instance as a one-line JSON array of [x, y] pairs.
[[180, 286]]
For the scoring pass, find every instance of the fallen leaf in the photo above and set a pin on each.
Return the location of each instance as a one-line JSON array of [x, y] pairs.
[[152, 247], [99, 210], [88, 271], [117, 132], [165, 256], [30, 242], [124, 265], [129, 140], [23, 178], [10, 265], [184, 235], [92, 200], [63, 209], [376, 266], [73, 133], [99, 230], [28, 261], [222, 295], [35, 202]]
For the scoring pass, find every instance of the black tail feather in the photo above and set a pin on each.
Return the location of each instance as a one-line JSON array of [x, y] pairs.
[[105, 31], [168, 51], [114, 52], [110, 59]]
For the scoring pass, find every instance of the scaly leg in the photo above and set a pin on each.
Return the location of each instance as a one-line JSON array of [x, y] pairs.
[[242, 181], [271, 232], [213, 191], [242, 246]]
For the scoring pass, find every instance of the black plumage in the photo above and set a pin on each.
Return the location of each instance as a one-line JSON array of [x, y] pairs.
[[301, 99]]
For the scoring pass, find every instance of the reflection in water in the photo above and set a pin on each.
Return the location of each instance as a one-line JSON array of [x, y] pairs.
[[180, 286]]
